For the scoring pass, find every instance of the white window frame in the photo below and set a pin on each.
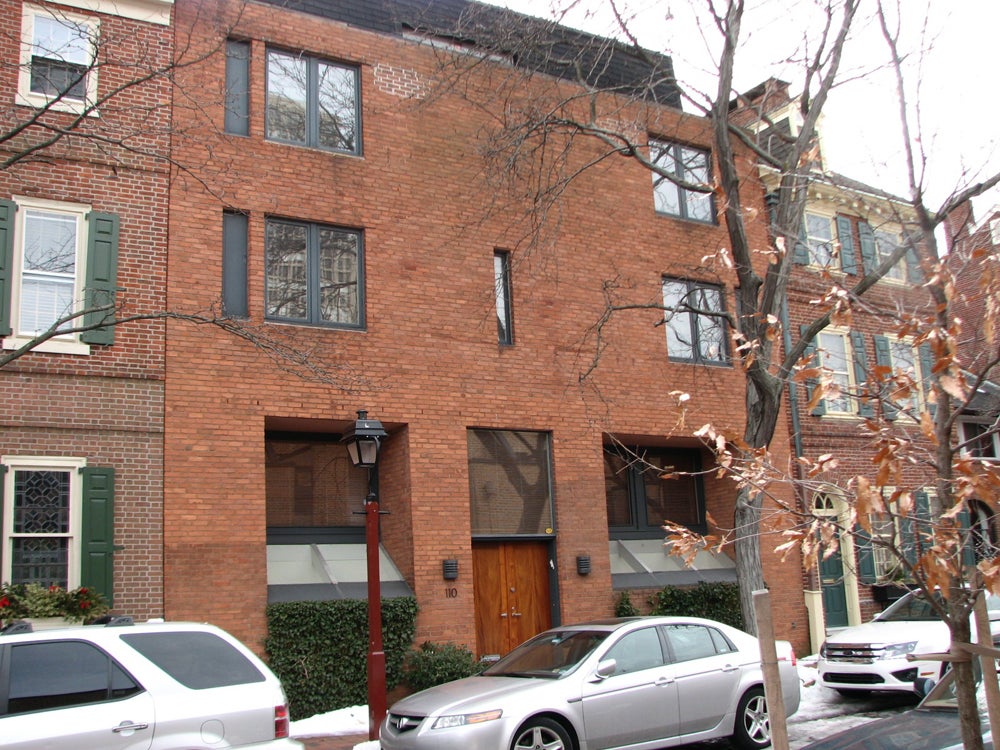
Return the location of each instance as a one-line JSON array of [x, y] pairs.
[[883, 562], [25, 95], [882, 236], [66, 343], [830, 262], [74, 467], [844, 378]]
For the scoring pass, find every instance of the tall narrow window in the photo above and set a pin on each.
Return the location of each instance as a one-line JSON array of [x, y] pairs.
[[314, 274], [312, 102], [237, 118], [696, 329], [501, 289], [686, 165], [234, 264], [835, 357], [819, 239]]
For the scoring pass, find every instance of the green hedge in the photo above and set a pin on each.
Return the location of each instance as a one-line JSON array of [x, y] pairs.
[[319, 650], [716, 601], [436, 663]]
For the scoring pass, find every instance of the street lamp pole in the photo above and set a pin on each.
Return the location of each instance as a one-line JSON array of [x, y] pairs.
[[363, 443]]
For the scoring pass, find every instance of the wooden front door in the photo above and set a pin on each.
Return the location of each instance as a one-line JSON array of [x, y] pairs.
[[512, 597]]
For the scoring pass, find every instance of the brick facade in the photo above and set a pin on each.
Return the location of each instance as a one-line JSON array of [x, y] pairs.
[[106, 406], [427, 363]]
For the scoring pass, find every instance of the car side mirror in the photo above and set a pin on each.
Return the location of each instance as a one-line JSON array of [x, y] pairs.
[[605, 669]]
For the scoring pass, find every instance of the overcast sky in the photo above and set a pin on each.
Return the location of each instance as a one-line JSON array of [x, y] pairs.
[[957, 76]]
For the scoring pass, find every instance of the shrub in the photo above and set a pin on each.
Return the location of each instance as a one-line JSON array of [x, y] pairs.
[[624, 606], [21, 600], [435, 663], [319, 650], [716, 601]]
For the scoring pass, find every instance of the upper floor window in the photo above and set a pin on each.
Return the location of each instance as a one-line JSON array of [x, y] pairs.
[[979, 439], [501, 290], [64, 259], [57, 59], [885, 245], [312, 102], [904, 389], [646, 487], [819, 239], [842, 356], [685, 165], [696, 329], [314, 274]]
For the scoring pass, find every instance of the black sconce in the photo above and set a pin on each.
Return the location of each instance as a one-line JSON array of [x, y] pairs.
[[449, 569], [583, 564]]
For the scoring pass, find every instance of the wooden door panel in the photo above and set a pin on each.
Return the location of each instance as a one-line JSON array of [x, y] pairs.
[[488, 598], [510, 593]]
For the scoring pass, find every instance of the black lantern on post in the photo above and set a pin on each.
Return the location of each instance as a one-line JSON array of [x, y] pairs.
[[363, 441]]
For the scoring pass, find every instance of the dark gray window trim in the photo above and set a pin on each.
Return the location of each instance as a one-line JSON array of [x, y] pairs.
[[675, 149], [502, 290], [312, 111], [313, 228], [235, 241]]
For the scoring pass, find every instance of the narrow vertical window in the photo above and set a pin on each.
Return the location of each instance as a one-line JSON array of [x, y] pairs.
[[501, 288], [237, 119], [234, 264]]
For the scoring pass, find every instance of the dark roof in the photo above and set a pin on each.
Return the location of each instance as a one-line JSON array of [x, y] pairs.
[[529, 43]]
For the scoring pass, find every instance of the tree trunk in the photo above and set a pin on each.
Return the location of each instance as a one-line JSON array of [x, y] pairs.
[[749, 572]]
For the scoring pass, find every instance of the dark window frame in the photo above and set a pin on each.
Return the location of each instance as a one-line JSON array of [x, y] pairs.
[[312, 123], [681, 153], [694, 329], [313, 316], [502, 293], [641, 527]]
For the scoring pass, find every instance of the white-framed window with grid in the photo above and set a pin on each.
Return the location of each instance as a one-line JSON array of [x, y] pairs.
[[58, 51]]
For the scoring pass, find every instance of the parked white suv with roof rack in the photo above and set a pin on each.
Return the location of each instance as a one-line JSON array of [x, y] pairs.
[[148, 686]]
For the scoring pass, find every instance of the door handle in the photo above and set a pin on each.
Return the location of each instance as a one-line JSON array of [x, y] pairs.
[[503, 614], [664, 681], [129, 726], [515, 614], [730, 668]]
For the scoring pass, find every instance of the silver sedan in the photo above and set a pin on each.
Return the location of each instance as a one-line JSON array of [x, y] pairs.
[[636, 683]]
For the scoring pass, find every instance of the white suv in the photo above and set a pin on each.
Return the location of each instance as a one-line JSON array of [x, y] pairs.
[[151, 686], [873, 656]]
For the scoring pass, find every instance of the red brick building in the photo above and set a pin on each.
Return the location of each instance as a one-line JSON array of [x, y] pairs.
[[83, 216], [343, 211], [848, 230]]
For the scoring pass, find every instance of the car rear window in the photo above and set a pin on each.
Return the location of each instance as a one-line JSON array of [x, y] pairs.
[[196, 660]]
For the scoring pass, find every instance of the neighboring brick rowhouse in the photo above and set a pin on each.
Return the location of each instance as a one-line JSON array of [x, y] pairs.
[[105, 406]]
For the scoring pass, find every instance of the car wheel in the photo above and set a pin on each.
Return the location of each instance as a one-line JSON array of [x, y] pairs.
[[542, 734], [847, 693], [753, 726]]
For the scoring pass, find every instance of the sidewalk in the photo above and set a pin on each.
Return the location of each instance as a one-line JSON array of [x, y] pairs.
[[334, 742]]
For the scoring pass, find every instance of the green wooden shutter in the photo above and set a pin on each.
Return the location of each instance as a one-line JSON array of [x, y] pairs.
[[865, 408], [812, 383], [913, 273], [883, 357], [967, 538], [926, 374], [97, 542], [7, 211], [869, 255], [865, 556], [102, 275], [800, 254], [848, 263]]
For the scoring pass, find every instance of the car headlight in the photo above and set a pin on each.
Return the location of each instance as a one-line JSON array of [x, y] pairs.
[[822, 650], [896, 650], [461, 720]]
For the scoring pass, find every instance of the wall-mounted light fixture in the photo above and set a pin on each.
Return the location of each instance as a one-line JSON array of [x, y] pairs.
[[449, 569], [583, 564]]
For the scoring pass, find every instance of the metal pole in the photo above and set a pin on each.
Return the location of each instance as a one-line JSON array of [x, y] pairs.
[[376, 656]]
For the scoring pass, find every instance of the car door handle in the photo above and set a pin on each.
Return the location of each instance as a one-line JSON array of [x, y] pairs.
[[664, 681], [129, 726], [730, 668]]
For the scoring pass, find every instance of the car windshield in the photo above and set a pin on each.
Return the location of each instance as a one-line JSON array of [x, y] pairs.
[[914, 606], [550, 654]]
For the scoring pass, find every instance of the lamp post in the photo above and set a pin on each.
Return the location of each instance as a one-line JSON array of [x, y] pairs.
[[363, 441]]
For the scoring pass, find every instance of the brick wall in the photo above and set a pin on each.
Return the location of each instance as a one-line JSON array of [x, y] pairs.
[[428, 364]]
